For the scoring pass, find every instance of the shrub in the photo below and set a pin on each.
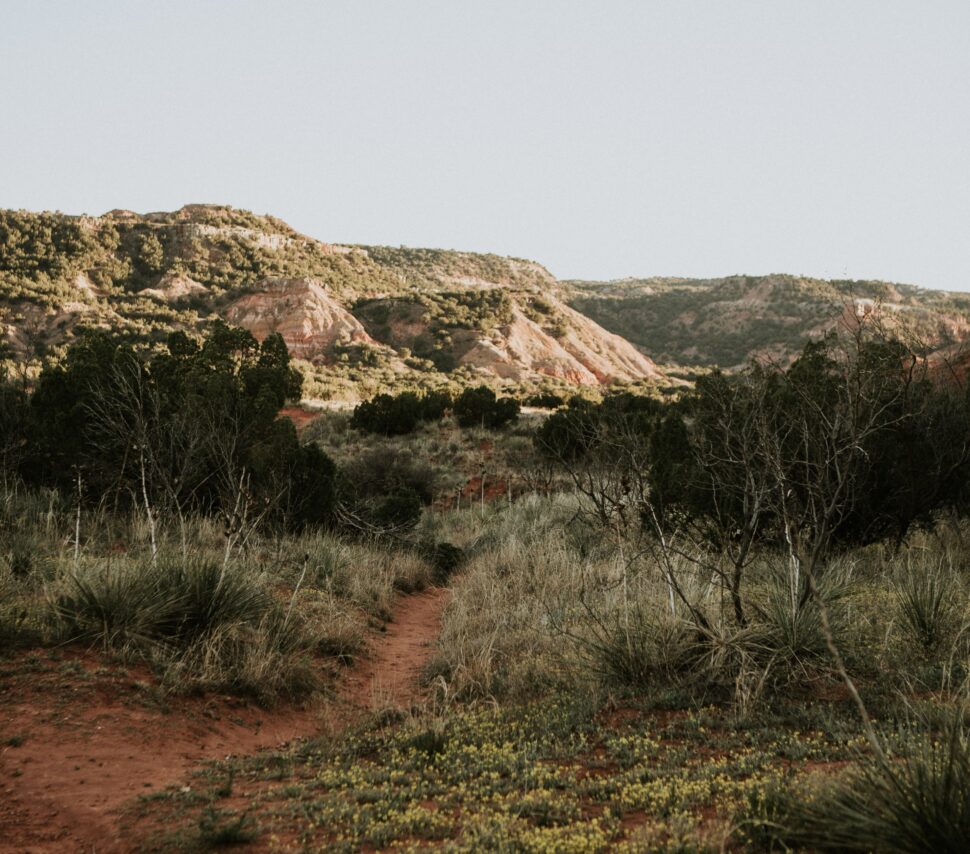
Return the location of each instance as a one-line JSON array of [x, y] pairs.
[[220, 830], [479, 407], [387, 469], [265, 659], [201, 623], [175, 602], [545, 399], [397, 415], [190, 425], [631, 647], [433, 405], [400, 510], [444, 557], [205, 597], [794, 630], [116, 605], [388, 415]]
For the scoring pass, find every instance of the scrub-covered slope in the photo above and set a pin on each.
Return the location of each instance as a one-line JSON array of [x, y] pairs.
[[364, 314]]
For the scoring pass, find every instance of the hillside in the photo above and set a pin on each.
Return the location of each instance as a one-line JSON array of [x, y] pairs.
[[727, 321], [361, 318]]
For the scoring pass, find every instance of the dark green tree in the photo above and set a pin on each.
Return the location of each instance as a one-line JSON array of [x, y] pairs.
[[479, 407]]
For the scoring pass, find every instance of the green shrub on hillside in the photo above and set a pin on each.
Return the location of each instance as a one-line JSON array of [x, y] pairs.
[[189, 428], [397, 415], [480, 407]]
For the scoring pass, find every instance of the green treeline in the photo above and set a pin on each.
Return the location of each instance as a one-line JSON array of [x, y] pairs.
[[191, 428], [857, 442], [400, 414]]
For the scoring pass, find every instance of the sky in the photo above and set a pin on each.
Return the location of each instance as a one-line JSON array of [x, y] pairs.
[[604, 138]]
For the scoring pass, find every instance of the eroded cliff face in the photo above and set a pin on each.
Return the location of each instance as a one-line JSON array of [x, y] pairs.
[[173, 287], [608, 356], [521, 350], [578, 351], [310, 320]]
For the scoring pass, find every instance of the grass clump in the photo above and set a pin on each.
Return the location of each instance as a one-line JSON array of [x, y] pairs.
[[217, 830], [919, 801], [203, 625], [928, 603]]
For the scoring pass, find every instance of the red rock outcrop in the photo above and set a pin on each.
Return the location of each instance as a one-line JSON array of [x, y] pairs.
[[303, 312], [580, 351]]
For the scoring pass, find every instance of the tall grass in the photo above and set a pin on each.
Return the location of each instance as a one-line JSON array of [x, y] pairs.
[[548, 601], [171, 603], [254, 625], [521, 578]]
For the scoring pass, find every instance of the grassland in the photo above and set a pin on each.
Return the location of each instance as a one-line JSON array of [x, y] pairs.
[[566, 711], [565, 715]]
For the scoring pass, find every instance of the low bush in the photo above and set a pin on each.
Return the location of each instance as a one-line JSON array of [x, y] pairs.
[[389, 415], [384, 491], [794, 627], [383, 470], [633, 648], [479, 407], [443, 556], [928, 604], [397, 511], [545, 400], [397, 415]]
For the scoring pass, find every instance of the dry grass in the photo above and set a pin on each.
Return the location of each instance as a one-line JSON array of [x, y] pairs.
[[545, 602], [264, 624]]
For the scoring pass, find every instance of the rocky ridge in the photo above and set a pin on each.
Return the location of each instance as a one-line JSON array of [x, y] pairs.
[[472, 316], [726, 322]]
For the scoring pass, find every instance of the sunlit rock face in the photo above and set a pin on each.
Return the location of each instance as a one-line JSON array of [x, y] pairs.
[[301, 310]]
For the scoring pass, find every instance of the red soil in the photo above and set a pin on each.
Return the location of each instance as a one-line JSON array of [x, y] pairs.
[[93, 740], [471, 493], [388, 676], [299, 416]]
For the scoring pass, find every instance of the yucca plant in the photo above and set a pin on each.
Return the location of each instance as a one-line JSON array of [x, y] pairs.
[[630, 646], [928, 604], [917, 802], [328, 557], [206, 595], [117, 605], [200, 623], [793, 628], [173, 602]]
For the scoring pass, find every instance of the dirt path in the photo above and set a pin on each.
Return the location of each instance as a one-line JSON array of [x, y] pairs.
[[74, 751], [388, 676]]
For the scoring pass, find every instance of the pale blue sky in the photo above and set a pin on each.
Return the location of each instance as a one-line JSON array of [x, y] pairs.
[[603, 139]]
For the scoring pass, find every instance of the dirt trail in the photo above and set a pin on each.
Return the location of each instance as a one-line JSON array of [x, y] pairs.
[[388, 676], [86, 751]]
